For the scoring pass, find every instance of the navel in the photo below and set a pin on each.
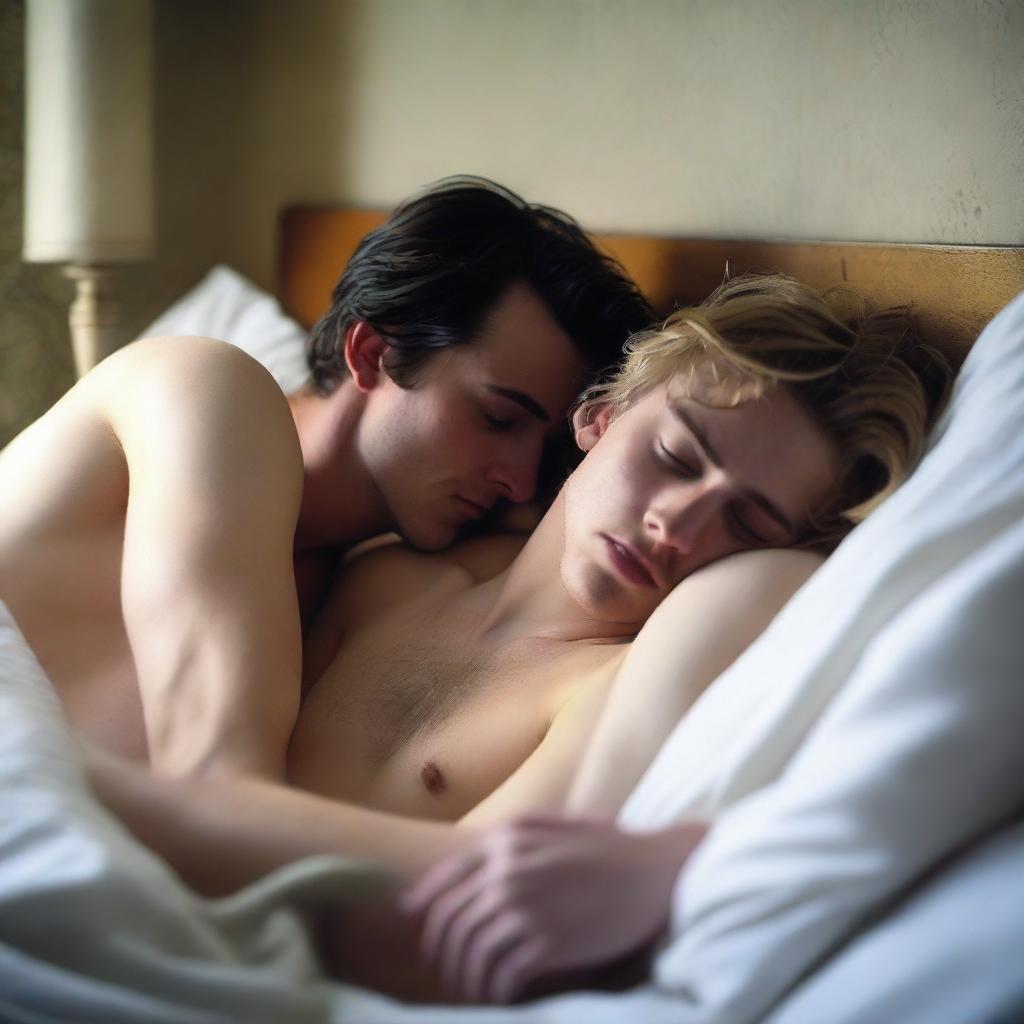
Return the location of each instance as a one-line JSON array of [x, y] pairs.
[[433, 778]]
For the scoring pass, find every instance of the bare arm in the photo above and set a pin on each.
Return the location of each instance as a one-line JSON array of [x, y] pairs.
[[221, 833], [602, 740], [695, 634], [208, 589]]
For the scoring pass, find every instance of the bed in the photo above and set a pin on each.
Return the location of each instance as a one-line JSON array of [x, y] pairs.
[[865, 802]]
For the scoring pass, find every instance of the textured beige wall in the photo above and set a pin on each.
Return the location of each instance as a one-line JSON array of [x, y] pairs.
[[847, 119], [896, 120]]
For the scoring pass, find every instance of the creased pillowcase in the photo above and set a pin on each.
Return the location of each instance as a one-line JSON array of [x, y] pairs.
[[228, 306]]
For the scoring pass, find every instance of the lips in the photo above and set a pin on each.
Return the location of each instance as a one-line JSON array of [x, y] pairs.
[[630, 563], [474, 509]]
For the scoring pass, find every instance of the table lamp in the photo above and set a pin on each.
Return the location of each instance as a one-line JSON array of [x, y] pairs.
[[89, 153]]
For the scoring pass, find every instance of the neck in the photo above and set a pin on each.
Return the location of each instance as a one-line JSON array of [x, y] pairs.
[[341, 504], [530, 599]]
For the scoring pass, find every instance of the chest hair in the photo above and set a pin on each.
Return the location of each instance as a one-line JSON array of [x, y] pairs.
[[410, 687]]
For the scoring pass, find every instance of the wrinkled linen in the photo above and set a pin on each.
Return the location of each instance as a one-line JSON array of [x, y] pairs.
[[93, 927]]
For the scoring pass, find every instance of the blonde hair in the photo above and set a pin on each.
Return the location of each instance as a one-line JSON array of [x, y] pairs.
[[863, 376]]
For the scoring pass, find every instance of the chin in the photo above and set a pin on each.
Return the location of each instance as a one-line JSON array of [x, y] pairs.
[[599, 592]]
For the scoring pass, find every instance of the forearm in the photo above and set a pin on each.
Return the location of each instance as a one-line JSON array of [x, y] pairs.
[[221, 833]]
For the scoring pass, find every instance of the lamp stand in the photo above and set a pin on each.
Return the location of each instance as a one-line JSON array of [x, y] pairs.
[[95, 316]]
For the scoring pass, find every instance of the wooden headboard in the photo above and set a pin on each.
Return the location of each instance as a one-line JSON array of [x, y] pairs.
[[955, 289]]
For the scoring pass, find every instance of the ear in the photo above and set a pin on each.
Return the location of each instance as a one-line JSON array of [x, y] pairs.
[[364, 348], [589, 422]]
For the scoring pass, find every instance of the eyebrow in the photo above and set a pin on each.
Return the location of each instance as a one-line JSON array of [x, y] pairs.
[[712, 453], [531, 405]]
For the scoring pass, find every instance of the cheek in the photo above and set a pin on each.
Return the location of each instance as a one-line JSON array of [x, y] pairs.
[[456, 440], [608, 493], [632, 484], [438, 425]]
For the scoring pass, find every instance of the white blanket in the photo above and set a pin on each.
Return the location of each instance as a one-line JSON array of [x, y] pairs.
[[875, 727]]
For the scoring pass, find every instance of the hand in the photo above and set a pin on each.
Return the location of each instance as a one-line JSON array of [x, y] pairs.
[[545, 895]]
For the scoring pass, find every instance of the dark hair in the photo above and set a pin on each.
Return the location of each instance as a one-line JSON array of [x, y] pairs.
[[433, 272]]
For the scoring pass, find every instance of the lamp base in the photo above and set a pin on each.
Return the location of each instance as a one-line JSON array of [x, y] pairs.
[[95, 316]]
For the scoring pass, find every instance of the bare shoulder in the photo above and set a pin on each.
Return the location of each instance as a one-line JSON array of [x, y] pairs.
[[392, 573], [202, 402], [158, 409], [388, 575], [166, 392], [206, 372], [722, 607], [485, 556]]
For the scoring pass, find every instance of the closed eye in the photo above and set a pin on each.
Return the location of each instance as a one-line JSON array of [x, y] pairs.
[[744, 531], [497, 422], [686, 468]]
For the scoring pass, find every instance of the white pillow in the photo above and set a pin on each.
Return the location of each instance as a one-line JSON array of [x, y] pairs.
[[873, 728], [929, 960], [228, 306]]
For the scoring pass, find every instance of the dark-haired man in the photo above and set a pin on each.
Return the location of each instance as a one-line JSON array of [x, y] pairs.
[[156, 517]]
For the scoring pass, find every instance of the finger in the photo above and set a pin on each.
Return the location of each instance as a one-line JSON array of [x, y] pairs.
[[464, 927], [441, 917], [437, 879], [484, 951], [521, 964], [549, 821]]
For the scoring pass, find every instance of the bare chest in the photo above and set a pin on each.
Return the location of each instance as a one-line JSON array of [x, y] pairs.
[[410, 720]]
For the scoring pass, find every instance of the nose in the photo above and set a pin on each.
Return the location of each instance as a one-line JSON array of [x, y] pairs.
[[515, 471], [678, 521]]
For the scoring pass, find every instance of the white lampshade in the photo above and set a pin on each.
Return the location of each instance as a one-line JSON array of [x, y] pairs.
[[88, 128]]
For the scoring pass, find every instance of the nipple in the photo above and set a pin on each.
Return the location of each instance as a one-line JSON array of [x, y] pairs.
[[433, 778]]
